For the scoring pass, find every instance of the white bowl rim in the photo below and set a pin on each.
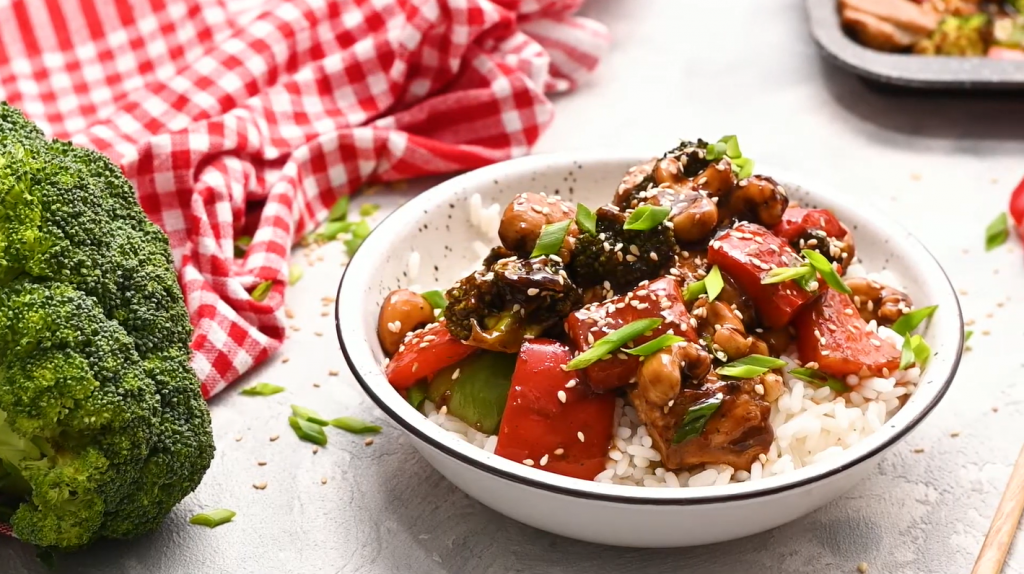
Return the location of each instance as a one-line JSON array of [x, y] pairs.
[[439, 439]]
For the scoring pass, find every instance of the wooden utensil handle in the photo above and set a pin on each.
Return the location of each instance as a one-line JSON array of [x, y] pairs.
[[1004, 523]]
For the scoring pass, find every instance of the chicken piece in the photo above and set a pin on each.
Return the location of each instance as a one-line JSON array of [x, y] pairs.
[[877, 302], [718, 322], [889, 25], [735, 416]]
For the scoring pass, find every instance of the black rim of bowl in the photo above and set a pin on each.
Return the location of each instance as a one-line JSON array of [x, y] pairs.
[[581, 492]]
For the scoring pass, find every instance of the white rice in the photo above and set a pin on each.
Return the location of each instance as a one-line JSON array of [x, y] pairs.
[[811, 424]]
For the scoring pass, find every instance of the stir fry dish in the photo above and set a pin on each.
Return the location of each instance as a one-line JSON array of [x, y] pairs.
[[978, 28], [699, 321]]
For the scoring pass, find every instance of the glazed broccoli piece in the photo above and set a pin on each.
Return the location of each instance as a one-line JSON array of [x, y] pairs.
[[957, 36], [622, 258], [509, 300], [103, 428]]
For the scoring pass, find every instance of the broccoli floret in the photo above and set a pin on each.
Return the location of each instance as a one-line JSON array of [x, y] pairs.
[[957, 36], [102, 424], [609, 256], [509, 300]]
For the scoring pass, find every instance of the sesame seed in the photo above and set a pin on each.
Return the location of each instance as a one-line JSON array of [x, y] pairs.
[[456, 374], [260, 485], [559, 451], [825, 352], [368, 442], [570, 384], [316, 449], [633, 249], [537, 208], [544, 460], [759, 388], [863, 566], [630, 258], [579, 435], [238, 438], [528, 461], [323, 480], [876, 342], [918, 450], [561, 396], [274, 437], [285, 359], [532, 291], [443, 410]]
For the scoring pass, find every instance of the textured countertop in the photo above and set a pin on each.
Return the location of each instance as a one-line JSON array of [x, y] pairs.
[[943, 165]]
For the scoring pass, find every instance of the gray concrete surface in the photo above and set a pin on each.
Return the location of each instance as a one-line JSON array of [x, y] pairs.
[[945, 165]]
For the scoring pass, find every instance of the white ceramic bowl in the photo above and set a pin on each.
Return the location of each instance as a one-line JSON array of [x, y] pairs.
[[436, 224]]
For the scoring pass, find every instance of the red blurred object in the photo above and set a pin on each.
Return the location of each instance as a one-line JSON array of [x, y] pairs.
[[1017, 207], [743, 253], [538, 426], [797, 221], [614, 372], [1001, 53], [832, 333]]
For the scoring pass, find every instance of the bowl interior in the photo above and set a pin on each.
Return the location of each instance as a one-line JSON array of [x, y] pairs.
[[437, 226]]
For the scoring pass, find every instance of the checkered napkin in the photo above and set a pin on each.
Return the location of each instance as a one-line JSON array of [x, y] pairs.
[[240, 117]]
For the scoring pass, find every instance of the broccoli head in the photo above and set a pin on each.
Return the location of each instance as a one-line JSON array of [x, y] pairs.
[[102, 424], [509, 300], [957, 36], [620, 257]]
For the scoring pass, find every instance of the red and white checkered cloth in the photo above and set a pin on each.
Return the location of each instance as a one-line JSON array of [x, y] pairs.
[[234, 117]]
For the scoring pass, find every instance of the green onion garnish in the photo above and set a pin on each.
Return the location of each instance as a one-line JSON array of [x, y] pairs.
[[262, 390], [922, 351], [968, 335], [655, 345], [750, 366], [294, 274], [213, 518], [368, 209], [354, 425], [308, 431], [783, 274], [906, 354], [612, 342], [695, 290], [332, 229], [820, 379], [732, 147], [340, 210], [729, 146], [551, 238], [743, 167], [825, 269], [585, 219], [646, 217], [713, 283], [436, 299], [910, 321], [309, 415], [997, 232], [696, 417], [262, 290]]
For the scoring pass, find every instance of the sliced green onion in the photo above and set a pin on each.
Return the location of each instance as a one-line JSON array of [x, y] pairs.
[[713, 283], [362, 229], [308, 431], [825, 269], [968, 335], [262, 390], [696, 417], [332, 229], [436, 299], [416, 395], [820, 379], [354, 425], [695, 290], [655, 345], [784, 274], [262, 290], [294, 274], [910, 321], [750, 366], [715, 151], [743, 167], [551, 237], [906, 354], [310, 415], [646, 217], [922, 351], [612, 342], [997, 232], [585, 219], [368, 209], [732, 147], [340, 210], [242, 245], [213, 518]]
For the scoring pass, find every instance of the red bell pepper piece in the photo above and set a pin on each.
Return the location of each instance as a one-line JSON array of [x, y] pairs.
[[415, 362], [744, 253], [830, 332], [660, 298], [1001, 53], [538, 426], [1017, 207], [796, 221]]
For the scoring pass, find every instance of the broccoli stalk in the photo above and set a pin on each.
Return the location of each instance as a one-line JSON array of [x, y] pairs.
[[510, 300], [102, 425]]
